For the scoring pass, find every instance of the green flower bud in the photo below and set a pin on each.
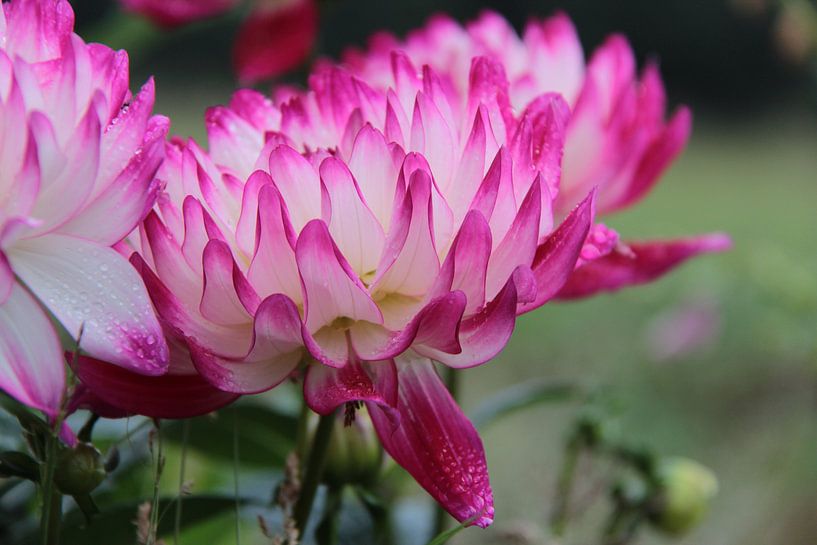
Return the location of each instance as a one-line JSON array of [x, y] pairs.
[[79, 470], [685, 490], [355, 455]]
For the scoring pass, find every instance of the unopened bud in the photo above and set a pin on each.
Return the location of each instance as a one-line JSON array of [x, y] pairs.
[[79, 470], [355, 455], [685, 490]]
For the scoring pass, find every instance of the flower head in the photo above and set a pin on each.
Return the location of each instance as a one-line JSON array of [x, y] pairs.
[[78, 158]]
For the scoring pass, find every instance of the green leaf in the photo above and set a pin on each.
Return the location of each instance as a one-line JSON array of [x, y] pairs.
[[522, 396], [443, 537], [266, 435]]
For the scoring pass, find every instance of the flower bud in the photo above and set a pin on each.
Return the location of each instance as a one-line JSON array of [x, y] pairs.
[[79, 470], [685, 489], [355, 454]]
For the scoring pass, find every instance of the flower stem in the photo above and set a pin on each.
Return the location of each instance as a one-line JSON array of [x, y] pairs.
[[177, 525], [564, 487], [314, 470]]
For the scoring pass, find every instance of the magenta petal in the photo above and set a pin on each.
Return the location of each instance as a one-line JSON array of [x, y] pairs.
[[166, 396], [428, 434], [326, 388], [274, 40], [638, 263], [556, 257]]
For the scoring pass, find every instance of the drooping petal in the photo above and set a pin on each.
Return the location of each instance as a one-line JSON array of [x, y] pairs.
[[638, 263], [32, 367], [168, 396], [92, 288], [430, 437], [326, 388]]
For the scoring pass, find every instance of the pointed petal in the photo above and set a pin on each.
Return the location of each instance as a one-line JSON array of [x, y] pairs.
[[638, 263], [556, 257], [298, 183], [94, 288], [410, 264], [353, 226], [32, 367], [432, 439], [326, 388]]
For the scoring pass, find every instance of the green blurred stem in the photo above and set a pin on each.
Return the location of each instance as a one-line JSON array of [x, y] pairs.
[[622, 525], [452, 381], [314, 470], [328, 530], [177, 525], [564, 488]]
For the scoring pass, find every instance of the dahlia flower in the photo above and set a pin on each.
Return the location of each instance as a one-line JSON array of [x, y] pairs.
[[77, 158], [276, 37], [362, 234], [616, 137]]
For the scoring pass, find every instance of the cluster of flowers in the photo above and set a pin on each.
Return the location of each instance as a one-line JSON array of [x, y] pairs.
[[404, 208]]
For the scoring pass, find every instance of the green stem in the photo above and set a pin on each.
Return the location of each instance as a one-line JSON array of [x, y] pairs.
[[328, 530], [235, 479], [52, 498], [314, 470], [451, 378], [177, 525], [564, 488]]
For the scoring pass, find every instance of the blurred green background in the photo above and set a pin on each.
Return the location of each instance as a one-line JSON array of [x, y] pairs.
[[743, 400]]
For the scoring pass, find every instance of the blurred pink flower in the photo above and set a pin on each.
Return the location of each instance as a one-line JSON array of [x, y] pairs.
[[77, 160], [178, 12], [616, 138], [277, 36]]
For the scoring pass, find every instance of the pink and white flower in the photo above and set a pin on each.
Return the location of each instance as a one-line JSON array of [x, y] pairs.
[[77, 158], [616, 138], [361, 234]]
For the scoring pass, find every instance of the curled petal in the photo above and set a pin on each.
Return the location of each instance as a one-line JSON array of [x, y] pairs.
[[638, 263], [432, 439], [326, 388], [277, 348]]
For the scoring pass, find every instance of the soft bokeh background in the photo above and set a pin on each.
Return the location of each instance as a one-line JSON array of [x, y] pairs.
[[742, 399]]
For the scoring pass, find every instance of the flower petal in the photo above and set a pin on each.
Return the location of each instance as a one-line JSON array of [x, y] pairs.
[[432, 439], [93, 288], [638, 263], [32, 367]]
